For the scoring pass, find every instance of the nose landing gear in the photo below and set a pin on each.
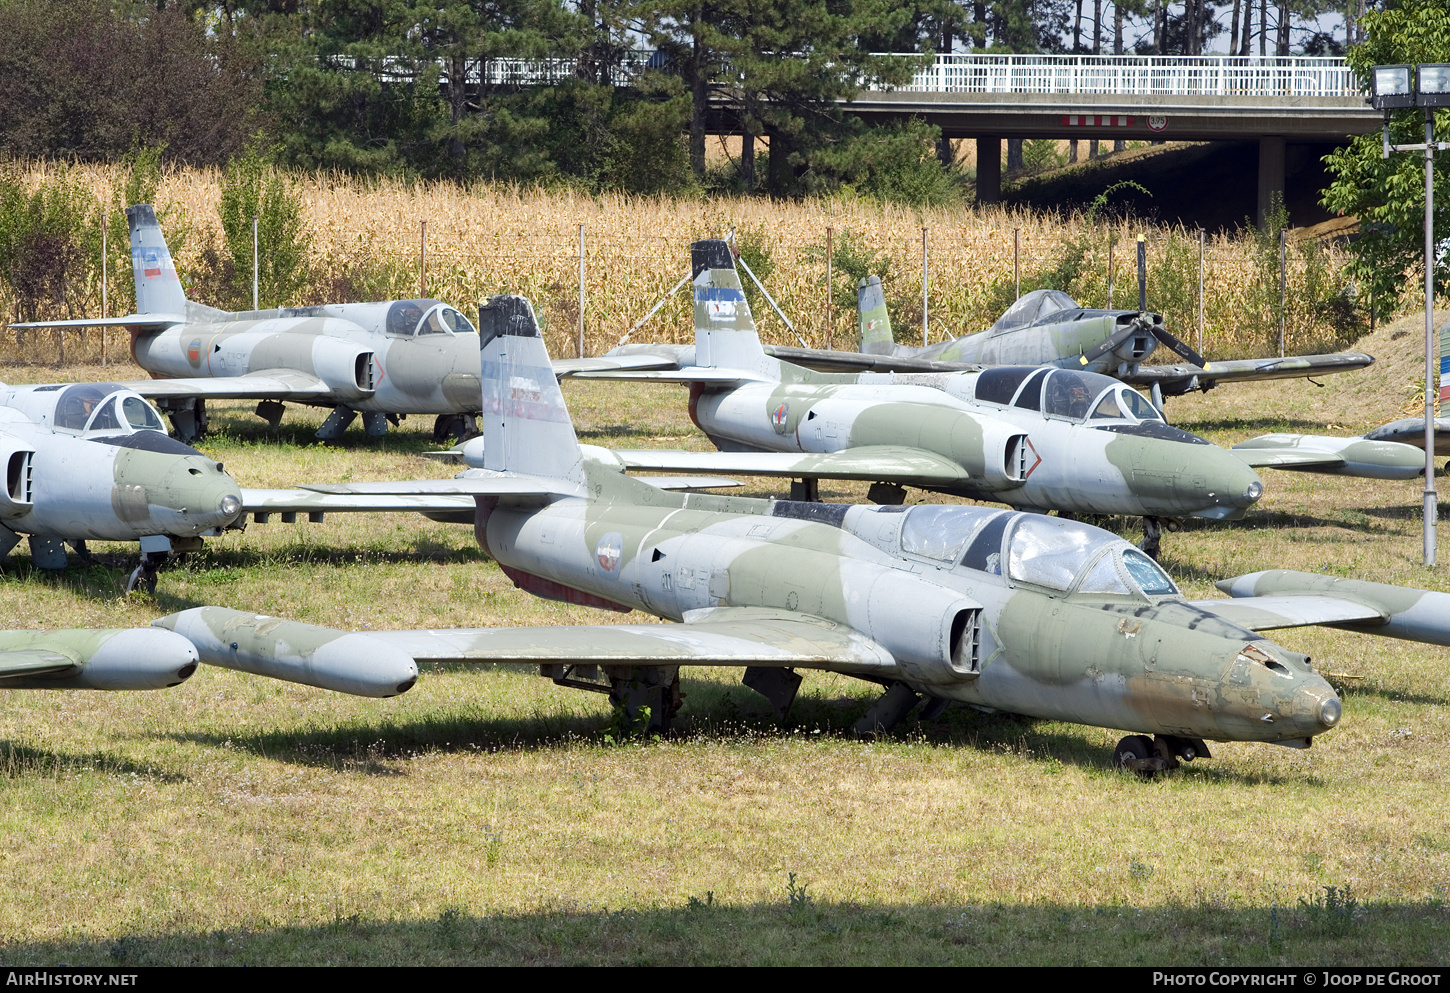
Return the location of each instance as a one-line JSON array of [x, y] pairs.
[[1149, 756]]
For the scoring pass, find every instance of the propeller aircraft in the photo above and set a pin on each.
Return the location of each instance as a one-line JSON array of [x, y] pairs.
[[382, 360], [1002, 610], [1034, 437]]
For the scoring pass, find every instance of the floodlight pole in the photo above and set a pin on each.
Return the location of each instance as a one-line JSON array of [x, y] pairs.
[[1432, 499]]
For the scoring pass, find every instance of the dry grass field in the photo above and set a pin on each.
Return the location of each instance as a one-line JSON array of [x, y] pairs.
[[485, 816], [365, 237]]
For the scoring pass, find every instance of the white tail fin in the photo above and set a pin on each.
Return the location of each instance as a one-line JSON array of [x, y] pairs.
[[725, 335], [158, 289], [874, 323], [526, 426]]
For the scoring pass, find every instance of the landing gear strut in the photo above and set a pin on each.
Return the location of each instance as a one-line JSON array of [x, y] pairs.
[[459, 427], [1153, 528], [144, 575], [1149, 756]]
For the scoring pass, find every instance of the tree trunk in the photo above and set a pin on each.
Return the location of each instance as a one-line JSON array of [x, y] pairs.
[[1098, 27], [1160, 29], [1282, 48], [1248, 35], [1014, 154], [1072, 151], [1117, 29], [747, 154], [1077, 30], [699, 97], [778, 180], [1263, 25], [1233, 32]]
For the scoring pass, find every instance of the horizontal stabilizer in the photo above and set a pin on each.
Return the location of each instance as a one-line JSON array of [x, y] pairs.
[[308, 501], [141, 322], [875, 463], [690, 374], [476, 482], [605, 363], [825, 360], [269, 384]]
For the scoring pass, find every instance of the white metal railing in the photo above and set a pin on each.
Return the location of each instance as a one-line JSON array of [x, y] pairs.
[[1137, 75], [1120, 75]]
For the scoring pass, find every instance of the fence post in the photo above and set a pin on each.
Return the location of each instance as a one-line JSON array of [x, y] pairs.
[[829, 232], [1282, 299], [423, 259], [105, 311], [581, 291], [924, 272], [256, 268], [1016, 266], [1200, 291]]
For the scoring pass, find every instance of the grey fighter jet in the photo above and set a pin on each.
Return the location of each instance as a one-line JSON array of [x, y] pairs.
[[1034, 437], [1002, 610], [93, 461], [381, 360]]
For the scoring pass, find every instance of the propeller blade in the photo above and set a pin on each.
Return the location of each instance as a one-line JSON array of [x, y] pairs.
[[1177, 347], [1109, 343]]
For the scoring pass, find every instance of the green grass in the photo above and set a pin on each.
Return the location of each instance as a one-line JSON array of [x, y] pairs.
[[484, 817]]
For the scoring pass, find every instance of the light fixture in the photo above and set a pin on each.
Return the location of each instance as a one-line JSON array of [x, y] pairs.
[[1390, 88], [1433, 85]]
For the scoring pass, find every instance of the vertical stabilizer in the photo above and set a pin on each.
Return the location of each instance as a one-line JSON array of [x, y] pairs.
[[1444, 366], [158, 290], [874, 323], [725, 335], [526, 426]]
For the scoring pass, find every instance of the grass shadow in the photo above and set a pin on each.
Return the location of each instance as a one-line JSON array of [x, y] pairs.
[[20, 761]]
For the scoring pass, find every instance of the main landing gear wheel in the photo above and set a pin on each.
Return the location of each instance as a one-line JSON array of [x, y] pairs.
[[459, 427], [1136, 753]]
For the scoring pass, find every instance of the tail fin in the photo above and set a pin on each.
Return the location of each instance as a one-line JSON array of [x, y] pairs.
[[724, 327], [526, 426], [874, 323], [158, 290], [1444, 364]]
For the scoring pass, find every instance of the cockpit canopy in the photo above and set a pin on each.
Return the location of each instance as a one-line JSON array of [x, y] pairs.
[[1034, 308], [419, 317], [1048, 552], [1066, 393], [87, 408]]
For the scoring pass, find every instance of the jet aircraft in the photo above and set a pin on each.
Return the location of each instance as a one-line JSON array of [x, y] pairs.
[[93, 461], [1002, 610], [1044, 327], [1034, 437], [381, 360]]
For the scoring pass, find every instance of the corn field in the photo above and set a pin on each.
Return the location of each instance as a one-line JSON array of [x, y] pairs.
[[365, 241]]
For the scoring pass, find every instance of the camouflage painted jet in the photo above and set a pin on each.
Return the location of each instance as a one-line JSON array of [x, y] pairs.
[[1044, 327], [93, 461], [1035, 437], [1006, 611], [381, 360]]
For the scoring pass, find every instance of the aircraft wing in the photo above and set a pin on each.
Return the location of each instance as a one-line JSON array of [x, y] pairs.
[[1176, 380], [687, 374], [292, 501], [479, 482], [875, 463], [33, 662], [1265, 458], [737, 636], [267, 384], [1286, 598], [827, 360], [141, 322], [1266, 613], [1411, 431]]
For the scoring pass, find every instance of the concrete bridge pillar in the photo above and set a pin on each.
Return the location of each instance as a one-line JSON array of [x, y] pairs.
[[989, 171], [1271, 174]]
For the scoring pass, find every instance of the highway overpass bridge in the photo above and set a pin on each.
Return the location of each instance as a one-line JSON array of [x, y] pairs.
[[1276, 101]]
